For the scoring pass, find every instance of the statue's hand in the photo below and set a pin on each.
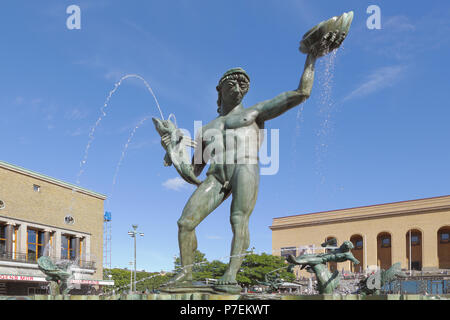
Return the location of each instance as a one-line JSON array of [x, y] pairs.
[[326, 36], [165, 140]]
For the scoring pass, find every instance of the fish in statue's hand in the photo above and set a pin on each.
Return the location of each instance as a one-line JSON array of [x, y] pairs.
[[175, 145]]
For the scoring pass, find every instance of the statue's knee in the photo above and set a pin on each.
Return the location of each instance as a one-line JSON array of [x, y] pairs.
[[185, 225], [237, 218]]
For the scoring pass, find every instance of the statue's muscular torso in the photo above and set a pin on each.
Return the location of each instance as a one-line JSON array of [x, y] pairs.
[[231, 141]]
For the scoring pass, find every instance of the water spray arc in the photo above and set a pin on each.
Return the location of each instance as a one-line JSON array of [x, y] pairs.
[[107, 222], [100, 118]]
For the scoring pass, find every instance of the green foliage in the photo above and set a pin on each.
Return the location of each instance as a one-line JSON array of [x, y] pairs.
[[256, 266], [253, 269], [122, 277], [199, 261], [152, 280], [203, 269]]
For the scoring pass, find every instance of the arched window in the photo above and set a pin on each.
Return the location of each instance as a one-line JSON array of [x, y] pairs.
[[443, 238], [358, 252], [384, 252], [414, 249]]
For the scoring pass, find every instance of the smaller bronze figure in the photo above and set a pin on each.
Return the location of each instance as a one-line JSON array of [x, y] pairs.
[[372, 284], [272, 281], [316, 263], [57, 275]]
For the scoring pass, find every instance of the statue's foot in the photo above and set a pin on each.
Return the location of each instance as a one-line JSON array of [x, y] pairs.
[[227, 284], [180, 279], [228, 289], [227, 279]]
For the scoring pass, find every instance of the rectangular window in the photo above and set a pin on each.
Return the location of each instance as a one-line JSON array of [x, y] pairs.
[[2, 239], [81, 246], [72, 252], [415, 240], [359, 244], [68, 247], [385, 242], [36, 188], [288, 250], [35, 244], [64, 247], [445, 237]]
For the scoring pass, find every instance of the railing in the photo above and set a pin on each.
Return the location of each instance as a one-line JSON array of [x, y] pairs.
[[416, 286], [87, 264], [16, 256], [31, 258]]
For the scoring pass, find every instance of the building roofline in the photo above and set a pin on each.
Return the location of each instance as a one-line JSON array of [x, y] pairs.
[[49, 179], [367, 206]]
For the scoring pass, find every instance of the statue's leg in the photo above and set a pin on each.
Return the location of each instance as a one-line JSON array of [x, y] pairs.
[[203, 201], [245, 183]]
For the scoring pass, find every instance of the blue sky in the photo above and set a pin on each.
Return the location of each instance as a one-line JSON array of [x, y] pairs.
[[375, 129]]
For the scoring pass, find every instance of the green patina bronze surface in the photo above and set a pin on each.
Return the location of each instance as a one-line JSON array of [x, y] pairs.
[[317, 263], [175, 147], [240, 180], [373, 283], [272, 281], [57, 275]]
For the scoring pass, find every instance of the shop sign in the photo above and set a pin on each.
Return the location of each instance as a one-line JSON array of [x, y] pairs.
[[21, 278]]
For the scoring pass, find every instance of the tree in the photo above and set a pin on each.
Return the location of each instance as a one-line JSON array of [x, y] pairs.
[[253, 269], [151, 281], [199, 260], [203, 269], [145, 280], [256, 266]]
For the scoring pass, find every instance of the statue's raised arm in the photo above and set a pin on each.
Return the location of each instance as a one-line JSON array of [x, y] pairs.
[[317, 42]]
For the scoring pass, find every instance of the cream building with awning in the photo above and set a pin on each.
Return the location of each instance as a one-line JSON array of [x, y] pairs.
[[39, 213]]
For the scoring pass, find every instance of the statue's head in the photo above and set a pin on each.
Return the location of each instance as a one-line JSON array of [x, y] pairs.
[[347, 246], [232, 87]]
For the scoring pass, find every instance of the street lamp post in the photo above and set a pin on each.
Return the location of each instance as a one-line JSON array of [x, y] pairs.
[[133, 235], [131, 276]]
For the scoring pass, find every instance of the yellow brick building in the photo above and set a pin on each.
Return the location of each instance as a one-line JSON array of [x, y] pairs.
[[382, 234], [41, 214]]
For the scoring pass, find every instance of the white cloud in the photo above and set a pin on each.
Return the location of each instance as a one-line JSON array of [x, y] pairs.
[[398, 23], [380, 78], [175, 184]]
